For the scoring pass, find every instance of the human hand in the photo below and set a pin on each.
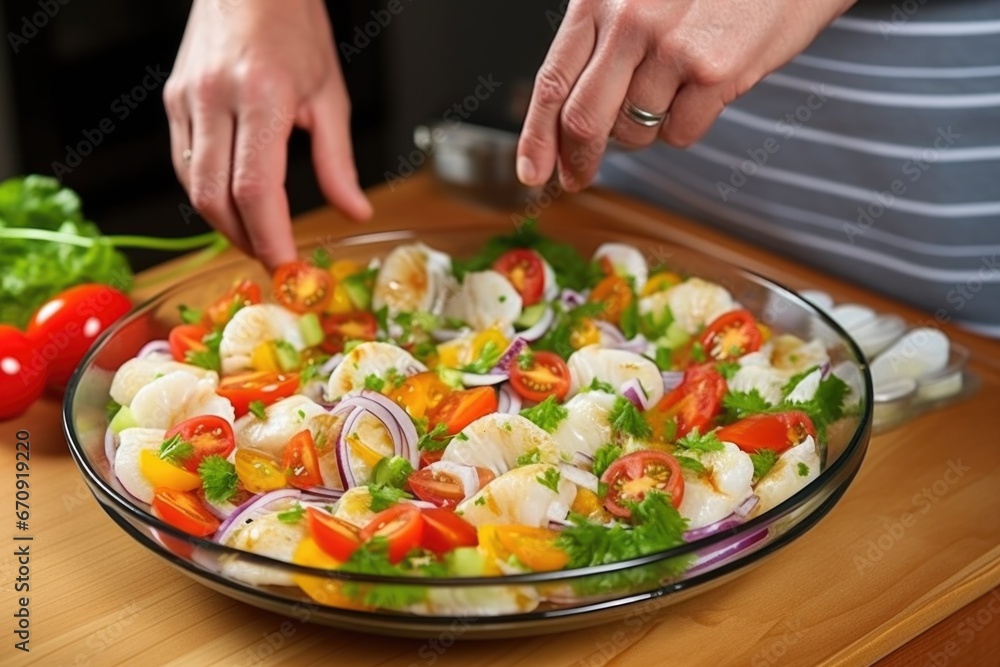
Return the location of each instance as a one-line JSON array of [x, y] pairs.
[[246, 73], [691, 57]]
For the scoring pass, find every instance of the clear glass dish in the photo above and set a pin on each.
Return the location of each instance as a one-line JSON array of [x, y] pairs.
[[563, 607]]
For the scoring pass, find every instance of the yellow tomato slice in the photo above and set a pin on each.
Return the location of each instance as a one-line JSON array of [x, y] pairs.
[[584, 333], [660, 282], [265, 358], [165, 474], [534, 547], [259, 472], [323, 590], [484, 338], [342, 268]]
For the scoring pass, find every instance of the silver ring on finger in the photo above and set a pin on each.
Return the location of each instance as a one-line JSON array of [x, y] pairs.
[[641, 116]]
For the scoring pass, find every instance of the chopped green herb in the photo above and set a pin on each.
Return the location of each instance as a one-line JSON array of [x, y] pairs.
[[374, 382], [218, 478], [604, 457], [627, 420], [293, 514], [802, 469], [547, 415], [461, 436], [189, 315], [373, 558], [690, 463], [557, 338], [740, 404], [301, 413], [696, 442], [526, 359], [258, 409], [395, 378], [481, 500], [529, 457], [727, 369], [209, 357], [698, 352], [664, 358], [392, 471], [434, 440], [502, 298], [550, 479], [311, 371], [175, 450], [629, 320], [599, 385], [384, 496], [763, 460], [349, 345], [488, 358]]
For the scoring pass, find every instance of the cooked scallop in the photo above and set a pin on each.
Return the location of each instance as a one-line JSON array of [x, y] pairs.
[[136, 373], [793, 355], [177, 396], [521, 496], [496, 440], [765, 379], [355, 507], [486, 300], [616, 367], [716, 493], [413, 277], [370, 358], [267, 536], [626, 260], [367, 442], [253, 325], [696, 303], [131, 443], [586, 426], [282, 420], [794, 469]]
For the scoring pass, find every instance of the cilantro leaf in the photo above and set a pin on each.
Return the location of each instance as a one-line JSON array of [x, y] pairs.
[[374, 382], [557, 338], [175, 450], [696, 442], [293, 514], [599, 385], [218, 478], [546, 415], [796, 380], [763, 460], [691, 464], [740, 404], [321, 258], [529, 457], [258, 409], [434, 440], [727, 369], [209, 357], [826, 406], [550, 479], [604, 457], [627, 420], [802, 469], [488, 358], [384, 496]]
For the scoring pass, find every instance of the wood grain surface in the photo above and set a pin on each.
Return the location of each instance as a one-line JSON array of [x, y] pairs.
[[903, 571]]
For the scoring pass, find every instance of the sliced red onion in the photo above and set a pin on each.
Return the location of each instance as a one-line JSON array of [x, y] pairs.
[[331, 364], [444, 335], [395, 420], [724, 552], [510, 355], [419, 504], [406, 446], [571, 298], [671, 379], [110, 449], [633, 391], [728, 523], [483, 379], [322, 493], [467, 475], [154, 347], [582, 460], [252, 510], [611, 332], [743, 511], [581, 478], [509, 401], [538, 329], [221, 511], [557, 524], [315, 390]]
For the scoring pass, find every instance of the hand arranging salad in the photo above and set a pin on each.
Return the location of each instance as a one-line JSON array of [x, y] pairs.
[[526, 410]]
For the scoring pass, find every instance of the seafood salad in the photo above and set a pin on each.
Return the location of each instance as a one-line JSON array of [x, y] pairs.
[[526, 410]]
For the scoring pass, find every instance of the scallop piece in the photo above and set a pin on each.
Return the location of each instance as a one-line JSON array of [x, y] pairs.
[[806, 388], [766, 380], [177, 396], [486, 300], [696, 303], [626, 260], [370, 358], [136, 373], [267, 536], [413, 277], [921, 352], [793, 355], [368, 442], [355, 507], [479, 601], [795, 468], [521, 496], [131, 443], [496, 440], [616, 367], [586, 426], [253, 325], [282, 420], [716, 493]]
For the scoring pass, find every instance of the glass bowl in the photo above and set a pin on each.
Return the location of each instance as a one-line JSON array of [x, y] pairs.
[[569, 598]]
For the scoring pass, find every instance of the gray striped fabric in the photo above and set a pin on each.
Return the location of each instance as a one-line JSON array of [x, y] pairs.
[[874, 155]]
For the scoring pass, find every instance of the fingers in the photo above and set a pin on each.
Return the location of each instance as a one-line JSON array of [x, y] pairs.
[[537, 149], [263, 126], [692, 113], [180, 128], [328, 120], [652, 89]]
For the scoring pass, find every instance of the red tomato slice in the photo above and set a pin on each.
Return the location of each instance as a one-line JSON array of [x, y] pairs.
[[444, 531], [337, 538], [547, 375], [338, 329], [22, 377], [442, 489], [460, 408], [616, 295], [300, 462], [694, 403], [266, 387], [65, 327], [208, 434], [630, 477], [778, 431], [402, 527], [732, 335], [526, 272], [184, 511], [302, 287], [242, 293], [186, 338]]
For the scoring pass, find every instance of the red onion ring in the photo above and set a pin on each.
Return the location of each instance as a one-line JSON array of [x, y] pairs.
[[510, 355], [671, 379], [723, 552], [538, 329], [633, 391], [445, 335], [154, 347], [395, 420], [251, 510], [571, 298], [330, 364], [509, 401], [483, 379]]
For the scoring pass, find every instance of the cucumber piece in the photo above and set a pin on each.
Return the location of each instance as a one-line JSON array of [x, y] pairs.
[[288, 357], [466, 562], [675, 336], [530, 315], [123, 419], [450, 377], [311, 329], [359, 291]]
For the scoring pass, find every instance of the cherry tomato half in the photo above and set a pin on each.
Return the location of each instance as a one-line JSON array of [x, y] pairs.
[[525, 270], [444, 531], [420, 393], [442, 489], [184, 511], [244, 389], [338, 329], [778, 431], [694, 403], [402, 527], [616, 295], [630, 477], [546, 375], [300, 461], [335, 537], [302, 287], [65, 327], [460, 408], [243, 293], [208, 434], [185, 338], [20, 382], [732, 335]]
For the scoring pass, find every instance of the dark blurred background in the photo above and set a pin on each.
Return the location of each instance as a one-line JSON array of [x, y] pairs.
[[66, 63]]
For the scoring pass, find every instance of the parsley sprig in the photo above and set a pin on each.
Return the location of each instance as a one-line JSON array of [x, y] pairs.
[[627, 420], [547, 415]]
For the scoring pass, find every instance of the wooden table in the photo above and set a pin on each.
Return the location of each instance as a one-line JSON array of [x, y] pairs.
[[859, 587]]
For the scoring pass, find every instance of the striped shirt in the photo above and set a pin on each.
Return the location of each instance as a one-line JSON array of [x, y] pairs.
[[874, 155]]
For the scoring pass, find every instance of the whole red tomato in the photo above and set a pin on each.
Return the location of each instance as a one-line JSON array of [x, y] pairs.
[[63, 329], [20, 384]]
